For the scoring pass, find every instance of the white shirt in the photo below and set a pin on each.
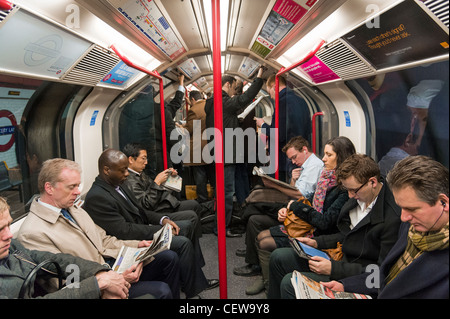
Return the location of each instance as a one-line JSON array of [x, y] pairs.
[[359, 212], [311, 170]]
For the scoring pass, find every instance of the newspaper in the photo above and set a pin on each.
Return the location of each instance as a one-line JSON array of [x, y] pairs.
[[129, 256], [249, 108], [306, 288], [173, 183], [260, 172]]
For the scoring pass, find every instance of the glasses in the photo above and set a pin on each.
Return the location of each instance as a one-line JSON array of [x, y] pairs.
[[356, 190]]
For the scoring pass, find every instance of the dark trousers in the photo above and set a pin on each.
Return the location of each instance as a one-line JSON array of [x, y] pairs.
[[160, 278], [203, 174], [229, 172], [187, 246], [283, 262], [193, 280]]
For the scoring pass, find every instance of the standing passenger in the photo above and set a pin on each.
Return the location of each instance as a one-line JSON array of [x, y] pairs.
[[196, 119], [294, 120], [232, 107]]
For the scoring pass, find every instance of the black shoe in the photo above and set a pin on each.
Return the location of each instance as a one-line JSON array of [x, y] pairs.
[[247, 270], [232, 235], [241, 252], [212, 283]]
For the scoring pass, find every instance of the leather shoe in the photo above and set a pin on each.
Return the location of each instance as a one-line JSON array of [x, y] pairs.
[[212, 283], [232, 235], [247, 270], [241, 252]]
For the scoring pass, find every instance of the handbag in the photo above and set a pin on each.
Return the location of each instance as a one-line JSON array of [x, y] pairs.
[[260, 194], [295, 226]]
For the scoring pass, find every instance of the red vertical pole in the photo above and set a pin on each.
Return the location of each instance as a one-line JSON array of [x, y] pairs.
[[277, 124], [163, 121], [314, 131], [218, 140]]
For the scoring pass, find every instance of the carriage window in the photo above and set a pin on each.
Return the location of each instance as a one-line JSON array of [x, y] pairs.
[[16, 165], [411, 113]]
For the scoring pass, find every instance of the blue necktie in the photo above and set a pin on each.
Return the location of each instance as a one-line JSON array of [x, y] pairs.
[[67, 215]]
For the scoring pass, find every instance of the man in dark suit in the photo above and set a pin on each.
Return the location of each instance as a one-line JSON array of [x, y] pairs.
[[114, 207]]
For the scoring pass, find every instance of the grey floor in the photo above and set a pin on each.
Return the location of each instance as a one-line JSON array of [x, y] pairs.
[[236, 285]]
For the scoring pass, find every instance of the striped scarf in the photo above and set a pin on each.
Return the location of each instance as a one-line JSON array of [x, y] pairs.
[[326, 181], [418, 243]]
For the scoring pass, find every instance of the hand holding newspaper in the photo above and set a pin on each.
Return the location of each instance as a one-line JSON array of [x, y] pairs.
[[129, 256], [306, 288]]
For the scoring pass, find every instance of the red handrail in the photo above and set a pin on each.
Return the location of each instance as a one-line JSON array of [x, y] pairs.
[[314, 130], [161, 94], [218, 140], [277, 98], [5, 5]]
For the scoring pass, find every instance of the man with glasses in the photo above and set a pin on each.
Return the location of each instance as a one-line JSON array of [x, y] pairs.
[[368, 228]]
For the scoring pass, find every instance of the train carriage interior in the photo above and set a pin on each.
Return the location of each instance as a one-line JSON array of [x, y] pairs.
[[78, 77]]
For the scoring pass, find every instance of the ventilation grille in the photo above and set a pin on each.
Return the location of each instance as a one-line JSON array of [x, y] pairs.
[[5, 14], [439, 8], [344, 61], [93, 67]]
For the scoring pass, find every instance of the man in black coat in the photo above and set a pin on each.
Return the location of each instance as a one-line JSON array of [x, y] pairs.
[[368, 227], [233, 105], [114, 207]]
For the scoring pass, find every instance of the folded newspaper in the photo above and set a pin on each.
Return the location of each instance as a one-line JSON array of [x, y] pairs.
[[129, 256], [260, 172], [173, 183], [306, 288]]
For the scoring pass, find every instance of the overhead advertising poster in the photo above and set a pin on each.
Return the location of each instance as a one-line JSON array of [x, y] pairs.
[[120, 74], [189, 67], [317, 71], [148, 19], [42, 49], [248, 66], [405, 33], [284, 15]]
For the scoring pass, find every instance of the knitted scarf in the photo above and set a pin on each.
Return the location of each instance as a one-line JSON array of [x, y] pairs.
[[418, 243], [326, 181]]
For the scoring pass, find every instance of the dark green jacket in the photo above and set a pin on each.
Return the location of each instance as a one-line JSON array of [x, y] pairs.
[[21, 261]]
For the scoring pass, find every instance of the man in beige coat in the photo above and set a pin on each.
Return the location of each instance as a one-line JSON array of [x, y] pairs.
[[56, 225], [195, 125]]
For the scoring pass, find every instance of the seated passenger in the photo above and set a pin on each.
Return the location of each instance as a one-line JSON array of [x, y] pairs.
[[417, 266], [17, 262], [320, 218], [151, 195], [114, 208], [262, 216], [368, 226], [46, 228]]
